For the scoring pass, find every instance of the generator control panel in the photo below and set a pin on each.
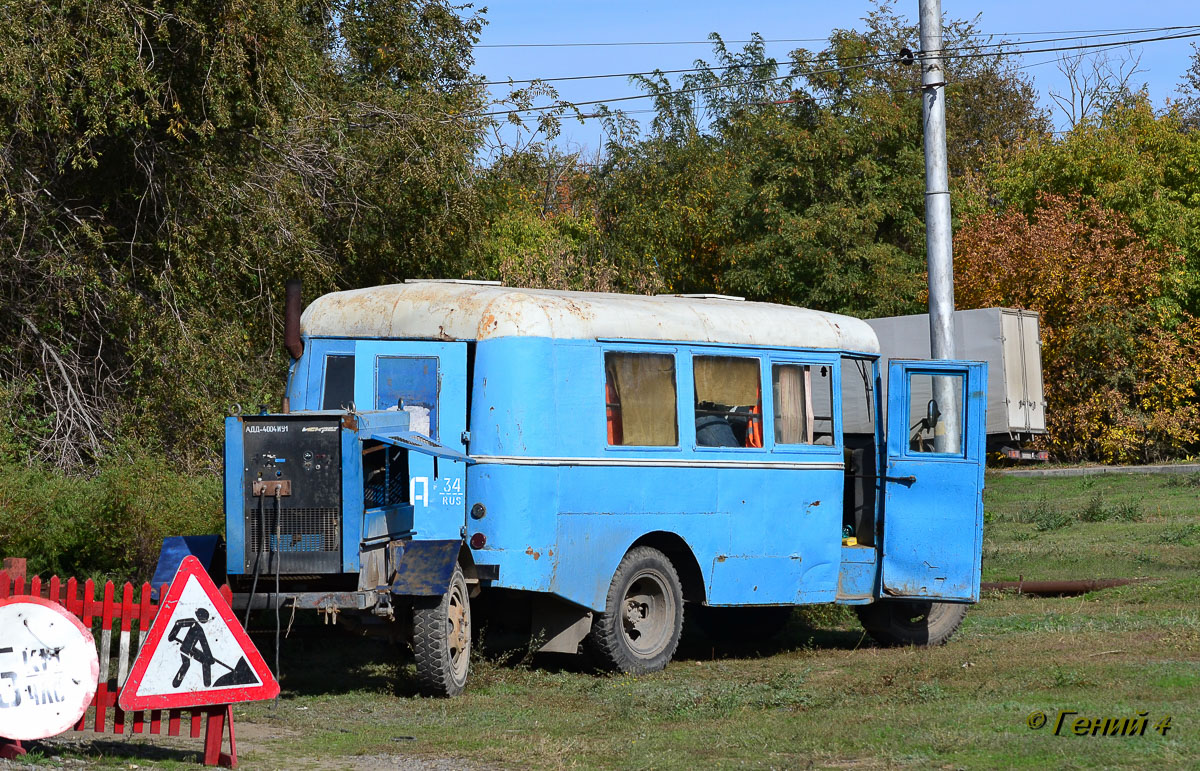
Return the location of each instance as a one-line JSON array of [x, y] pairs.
[[292, 487]]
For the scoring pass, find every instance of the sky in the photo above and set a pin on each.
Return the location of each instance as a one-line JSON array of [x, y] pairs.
[[619, 21]]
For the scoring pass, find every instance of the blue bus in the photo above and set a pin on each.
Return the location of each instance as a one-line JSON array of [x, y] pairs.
[[590, 466]]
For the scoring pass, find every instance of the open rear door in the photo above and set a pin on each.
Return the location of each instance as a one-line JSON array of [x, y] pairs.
[[429, 381], [933, 488]]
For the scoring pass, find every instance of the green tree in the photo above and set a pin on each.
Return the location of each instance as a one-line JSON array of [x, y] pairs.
[[541, 228], [1129, 159], [166, 165], [802, 184]]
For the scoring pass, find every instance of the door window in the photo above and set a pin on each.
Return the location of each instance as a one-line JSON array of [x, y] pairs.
[[935, 413], [338, 390], [409, 383], [858, 397]]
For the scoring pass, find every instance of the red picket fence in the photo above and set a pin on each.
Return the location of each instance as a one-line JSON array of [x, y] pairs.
[[117, 652]]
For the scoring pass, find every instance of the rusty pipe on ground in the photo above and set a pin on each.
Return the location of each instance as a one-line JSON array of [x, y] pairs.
[[1058, 588], [291, 319]]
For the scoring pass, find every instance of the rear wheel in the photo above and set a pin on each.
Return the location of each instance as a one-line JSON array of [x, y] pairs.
[[643, 614], [442, 639], [911, 622]]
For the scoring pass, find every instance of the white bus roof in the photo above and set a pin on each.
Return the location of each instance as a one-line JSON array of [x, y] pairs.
[[475, 311]]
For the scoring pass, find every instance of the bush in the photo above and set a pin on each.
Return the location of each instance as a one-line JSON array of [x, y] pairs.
[[1046, 517], [1121, 359], [1129, 511], [1094, 511], [109, 525]]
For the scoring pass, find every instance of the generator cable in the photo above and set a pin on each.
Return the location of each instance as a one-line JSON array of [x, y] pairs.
[[277, 556], [258, 550]]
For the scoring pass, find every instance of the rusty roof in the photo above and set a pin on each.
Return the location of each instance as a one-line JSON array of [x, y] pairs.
[[476, 311]]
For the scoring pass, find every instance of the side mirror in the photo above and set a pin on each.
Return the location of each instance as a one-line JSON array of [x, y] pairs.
[[932, 413]]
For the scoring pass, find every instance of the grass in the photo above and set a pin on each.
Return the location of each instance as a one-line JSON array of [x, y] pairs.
[[820, 695], [1104, 526]]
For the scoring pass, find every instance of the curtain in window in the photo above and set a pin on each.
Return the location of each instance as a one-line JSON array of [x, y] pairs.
[[793, 421], [644, 386], [726, 380]]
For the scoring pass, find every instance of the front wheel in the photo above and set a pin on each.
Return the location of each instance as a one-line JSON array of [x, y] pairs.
[[911, 622], [643, 614], [442, 639]]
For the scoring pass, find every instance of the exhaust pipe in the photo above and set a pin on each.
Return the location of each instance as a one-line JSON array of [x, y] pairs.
[[291, 319]]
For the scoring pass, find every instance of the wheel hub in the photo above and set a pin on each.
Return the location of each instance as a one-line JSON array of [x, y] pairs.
[[647, 614]]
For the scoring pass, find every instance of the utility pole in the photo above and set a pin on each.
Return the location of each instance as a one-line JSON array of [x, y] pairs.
[[939, 248]]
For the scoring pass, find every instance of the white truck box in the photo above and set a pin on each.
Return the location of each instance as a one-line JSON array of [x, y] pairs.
[[1007, 339]]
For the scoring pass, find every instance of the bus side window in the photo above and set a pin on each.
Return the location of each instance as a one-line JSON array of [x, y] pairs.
[[338, 391], [822, 404], [639, 397], [803, 403], [728, 401]]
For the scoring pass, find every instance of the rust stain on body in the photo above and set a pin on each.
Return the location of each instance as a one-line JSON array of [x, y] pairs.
[[535, 554], [487, 323]]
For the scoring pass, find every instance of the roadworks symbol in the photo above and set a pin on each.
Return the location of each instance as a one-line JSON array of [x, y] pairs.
[[196, 653]]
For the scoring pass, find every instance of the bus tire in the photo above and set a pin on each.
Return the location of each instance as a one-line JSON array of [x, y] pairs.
[[643, 614], [442, 639], [911, 622]]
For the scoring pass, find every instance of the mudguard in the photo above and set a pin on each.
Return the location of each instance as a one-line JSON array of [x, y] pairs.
[[423, 568]]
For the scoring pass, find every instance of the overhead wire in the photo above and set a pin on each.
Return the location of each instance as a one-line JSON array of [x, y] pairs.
[[650, 43], [880, 57], [846, 68]]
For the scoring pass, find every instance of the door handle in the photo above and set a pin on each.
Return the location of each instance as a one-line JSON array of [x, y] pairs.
[[908, 480]]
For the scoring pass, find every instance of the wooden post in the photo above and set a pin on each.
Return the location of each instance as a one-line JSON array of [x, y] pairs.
[[215, 734]]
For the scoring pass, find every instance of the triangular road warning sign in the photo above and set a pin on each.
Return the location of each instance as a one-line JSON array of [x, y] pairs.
[[197, 653]]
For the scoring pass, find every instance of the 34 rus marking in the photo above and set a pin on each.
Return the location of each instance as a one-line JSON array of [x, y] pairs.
[[1068, 722]]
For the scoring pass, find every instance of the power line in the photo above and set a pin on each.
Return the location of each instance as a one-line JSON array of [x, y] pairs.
[[805, 99], [674, 92], [605, 44], [695, 89], [645, 43], [1088, 46], [878, 57]]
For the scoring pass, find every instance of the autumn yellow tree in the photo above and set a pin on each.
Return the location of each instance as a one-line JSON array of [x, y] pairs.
[[1121, 363]]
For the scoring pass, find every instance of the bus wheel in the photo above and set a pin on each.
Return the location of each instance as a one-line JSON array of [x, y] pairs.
[[442, 639], [911, 622], [643, 614]]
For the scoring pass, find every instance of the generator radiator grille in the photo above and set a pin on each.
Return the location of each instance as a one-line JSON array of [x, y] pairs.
[[300, 530]]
